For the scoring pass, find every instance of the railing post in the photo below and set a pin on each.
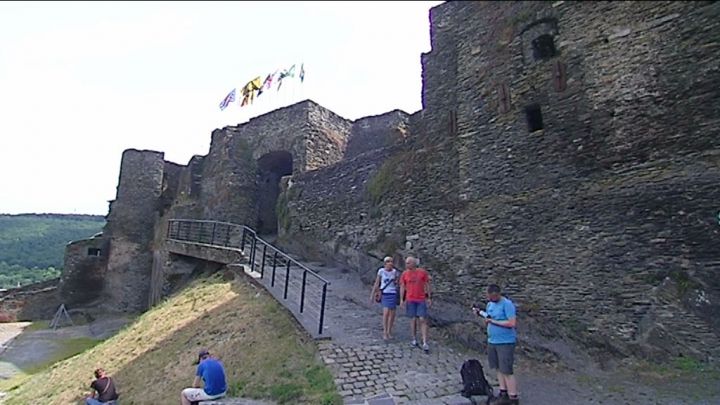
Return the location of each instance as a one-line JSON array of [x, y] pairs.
[[302, 292], [287, 279], [212, 239], [262, 267], [322, 309], [252, 253], [272, 280], [242, 240], [167, 235]]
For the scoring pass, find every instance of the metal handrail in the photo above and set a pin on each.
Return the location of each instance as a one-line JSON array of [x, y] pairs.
[[249, 236]]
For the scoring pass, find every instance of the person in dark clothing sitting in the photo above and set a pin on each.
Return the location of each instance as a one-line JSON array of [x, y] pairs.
[[104, 392]]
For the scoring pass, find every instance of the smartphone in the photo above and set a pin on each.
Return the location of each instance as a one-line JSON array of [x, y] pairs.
[[483, 314]]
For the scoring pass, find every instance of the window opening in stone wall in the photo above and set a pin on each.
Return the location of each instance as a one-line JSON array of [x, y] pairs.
[[93, 252], [544, 47], [534, 117]]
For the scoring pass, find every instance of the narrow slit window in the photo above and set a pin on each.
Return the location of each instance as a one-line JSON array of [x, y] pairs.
[[93, 252], [534, 117], [544, 47]]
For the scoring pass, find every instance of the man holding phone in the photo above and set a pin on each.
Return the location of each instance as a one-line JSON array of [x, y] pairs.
[[499, 316]]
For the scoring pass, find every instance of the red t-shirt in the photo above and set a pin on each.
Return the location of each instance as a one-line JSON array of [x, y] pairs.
[[414, 282]]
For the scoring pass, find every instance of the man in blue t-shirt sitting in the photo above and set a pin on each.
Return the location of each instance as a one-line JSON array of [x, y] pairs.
[[211, 372], [501, 321]]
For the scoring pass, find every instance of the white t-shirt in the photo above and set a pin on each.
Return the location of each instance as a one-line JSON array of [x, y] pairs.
[[386, 279]]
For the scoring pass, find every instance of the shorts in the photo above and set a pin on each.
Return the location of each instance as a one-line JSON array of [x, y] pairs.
[[198, 394], [502, 357], [416, 309], [389, 300]]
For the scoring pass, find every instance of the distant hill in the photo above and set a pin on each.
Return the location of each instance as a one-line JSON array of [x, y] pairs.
[[32, 246]]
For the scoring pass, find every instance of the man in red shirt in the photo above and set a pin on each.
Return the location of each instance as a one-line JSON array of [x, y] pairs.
[[415, 291]]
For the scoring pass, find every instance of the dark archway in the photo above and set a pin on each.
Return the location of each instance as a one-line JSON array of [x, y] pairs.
[[271, 167]]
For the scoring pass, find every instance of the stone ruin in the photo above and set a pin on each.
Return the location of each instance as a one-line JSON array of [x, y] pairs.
[[568, 151]]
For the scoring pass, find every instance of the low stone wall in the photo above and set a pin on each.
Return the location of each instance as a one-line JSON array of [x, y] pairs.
[[29, 303]]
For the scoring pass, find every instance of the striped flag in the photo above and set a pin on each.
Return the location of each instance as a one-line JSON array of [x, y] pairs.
[[228, 99]]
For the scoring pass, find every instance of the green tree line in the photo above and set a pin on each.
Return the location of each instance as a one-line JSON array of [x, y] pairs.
[[32, 246]]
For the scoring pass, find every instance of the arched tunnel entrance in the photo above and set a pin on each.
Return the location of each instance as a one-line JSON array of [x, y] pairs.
[[271, 167]]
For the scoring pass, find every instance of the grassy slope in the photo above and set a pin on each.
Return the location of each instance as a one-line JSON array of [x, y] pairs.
[[265, 355]]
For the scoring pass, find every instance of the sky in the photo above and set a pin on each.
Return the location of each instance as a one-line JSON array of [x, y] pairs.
[[80, 82]]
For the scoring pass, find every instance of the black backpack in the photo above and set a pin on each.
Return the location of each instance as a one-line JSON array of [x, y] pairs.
[[473, 378]]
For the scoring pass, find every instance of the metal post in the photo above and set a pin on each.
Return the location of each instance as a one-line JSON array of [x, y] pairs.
[[212, 239], [272, 280], [167, 236], [302, 292], [242, 240], [287, 279], [262, 267], [252, 253], [322, 309], [227, 236]]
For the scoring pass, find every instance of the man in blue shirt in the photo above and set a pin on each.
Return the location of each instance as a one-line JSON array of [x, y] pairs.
[[501, 321], [211, 372]]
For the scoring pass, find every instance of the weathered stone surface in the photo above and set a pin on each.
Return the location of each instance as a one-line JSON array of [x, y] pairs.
[[616, 192], [30, 302], [371, 133], [607, 204]]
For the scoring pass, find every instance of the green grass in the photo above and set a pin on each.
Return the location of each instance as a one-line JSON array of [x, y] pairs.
[[68, 348], [37, 325], [265, 355]]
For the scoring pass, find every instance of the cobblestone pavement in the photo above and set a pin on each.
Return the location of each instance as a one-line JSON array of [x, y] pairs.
[[370, 371], [367, 369]]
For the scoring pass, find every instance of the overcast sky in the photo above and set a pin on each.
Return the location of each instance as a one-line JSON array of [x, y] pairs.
[[80, 82]]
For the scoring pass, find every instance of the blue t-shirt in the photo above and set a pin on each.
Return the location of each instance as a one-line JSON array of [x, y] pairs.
[[502, 310], [213, 376]]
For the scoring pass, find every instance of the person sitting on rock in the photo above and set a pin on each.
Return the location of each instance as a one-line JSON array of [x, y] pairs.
[[104, 392], [211, 372]]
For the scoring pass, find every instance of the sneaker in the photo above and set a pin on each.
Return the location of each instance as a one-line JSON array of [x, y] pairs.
[[426, 348], [413, 343]]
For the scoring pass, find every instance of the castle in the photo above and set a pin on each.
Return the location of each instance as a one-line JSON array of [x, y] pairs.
[[568, 151]]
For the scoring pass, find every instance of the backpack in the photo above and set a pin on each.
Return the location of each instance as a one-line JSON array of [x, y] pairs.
[[473, 378]]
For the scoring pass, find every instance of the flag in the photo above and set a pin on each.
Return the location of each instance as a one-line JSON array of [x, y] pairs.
[[227, 100], [248, 91], [286, 73], [302, 73], [267, 83]]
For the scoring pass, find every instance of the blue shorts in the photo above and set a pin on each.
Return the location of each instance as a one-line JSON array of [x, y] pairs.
[[389, 300], [416, 309]]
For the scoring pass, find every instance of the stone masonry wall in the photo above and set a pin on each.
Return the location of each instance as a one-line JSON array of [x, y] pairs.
[[29, 303], [609, 208], [314, 137], [375, 132], [131, 230], [84, 271]]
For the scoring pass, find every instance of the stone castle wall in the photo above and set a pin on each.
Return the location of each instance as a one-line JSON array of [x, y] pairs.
[[375, 132], [609, 208], [565, 150]]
